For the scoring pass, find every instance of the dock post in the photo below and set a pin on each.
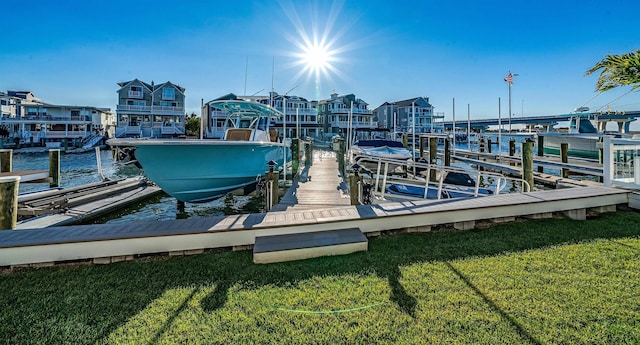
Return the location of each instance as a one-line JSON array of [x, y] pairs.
[[295, 156], [354, 184], [512, 147], [489, 145], [447, 152], [481, 144], [540, 152], [421, 146], [405, 140], [433, 157], [6, 160], [527, 162], [309, 152], [272, 177], [54, 167], [9, 202], [564, 156]]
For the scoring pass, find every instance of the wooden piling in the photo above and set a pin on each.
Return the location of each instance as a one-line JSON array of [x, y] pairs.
[[405, 140], [354, 190], [273, 177], [564, 156], [433, 156], [9, 202], [447, 152], [6, 160], [540, 152], [489, 145], [54, 167], [527, 162], [512, 147], [295, 156], [481, 144]]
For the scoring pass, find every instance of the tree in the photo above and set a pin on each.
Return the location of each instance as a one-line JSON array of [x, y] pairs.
[[192, 124], [618, 70]]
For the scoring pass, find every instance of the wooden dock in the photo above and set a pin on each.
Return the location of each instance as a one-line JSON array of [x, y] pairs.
[[82, 203], [29, 176], [510, 166], [104, 243], [319, 185]]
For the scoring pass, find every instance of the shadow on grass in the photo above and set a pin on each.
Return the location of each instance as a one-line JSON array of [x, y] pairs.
[[117, 292]]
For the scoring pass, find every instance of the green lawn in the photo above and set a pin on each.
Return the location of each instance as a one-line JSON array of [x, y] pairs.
[[553, 281]]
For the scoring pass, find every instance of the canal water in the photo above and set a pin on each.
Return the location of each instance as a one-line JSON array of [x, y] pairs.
[[82, 168]]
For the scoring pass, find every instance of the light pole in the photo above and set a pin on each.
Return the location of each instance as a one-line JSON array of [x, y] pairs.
[[509, 80]]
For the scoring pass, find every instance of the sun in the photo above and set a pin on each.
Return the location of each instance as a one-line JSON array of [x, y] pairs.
[[316, 58]]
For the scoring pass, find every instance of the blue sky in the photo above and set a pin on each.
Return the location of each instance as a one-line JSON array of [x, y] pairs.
[[75, 52]]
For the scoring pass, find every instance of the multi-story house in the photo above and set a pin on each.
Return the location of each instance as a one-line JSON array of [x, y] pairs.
[[334, 114], [414, 114], [299, 113], [149, 110], [27, 119]]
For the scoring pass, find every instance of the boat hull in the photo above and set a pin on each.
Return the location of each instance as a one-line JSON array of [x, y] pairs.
[[579, 145], [199, 171]]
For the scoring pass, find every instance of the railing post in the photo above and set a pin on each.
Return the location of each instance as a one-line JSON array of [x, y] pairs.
[[9, 202], [607, 161]]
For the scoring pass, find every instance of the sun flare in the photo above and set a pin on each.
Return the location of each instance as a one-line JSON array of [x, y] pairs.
[[316, 58]]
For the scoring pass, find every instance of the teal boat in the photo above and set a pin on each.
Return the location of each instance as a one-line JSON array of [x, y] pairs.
[[199, 170]]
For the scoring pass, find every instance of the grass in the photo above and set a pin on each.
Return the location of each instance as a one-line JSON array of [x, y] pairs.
[[550, 281]]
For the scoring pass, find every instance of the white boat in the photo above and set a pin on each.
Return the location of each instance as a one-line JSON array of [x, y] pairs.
[[368, 152], [199, 170]]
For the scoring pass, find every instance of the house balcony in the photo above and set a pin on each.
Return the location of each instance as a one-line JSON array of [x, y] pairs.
[[354, 124], [135, 94], [46, 119], [347, 110], [149, 110]]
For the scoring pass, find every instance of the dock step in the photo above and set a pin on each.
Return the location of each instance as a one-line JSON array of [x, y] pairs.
[[289, 247]]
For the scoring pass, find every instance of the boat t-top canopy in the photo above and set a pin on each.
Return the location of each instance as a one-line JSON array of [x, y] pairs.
[[245, 108]]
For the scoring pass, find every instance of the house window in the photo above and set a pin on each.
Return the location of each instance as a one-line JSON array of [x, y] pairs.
[[168, 104], [168, 93], [135, 91]]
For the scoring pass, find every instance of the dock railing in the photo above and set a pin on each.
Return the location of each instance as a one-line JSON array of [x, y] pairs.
[[620, 162], [384, 172]]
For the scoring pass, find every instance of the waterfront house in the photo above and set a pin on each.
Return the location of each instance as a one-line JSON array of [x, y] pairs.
[[149, 110], [28, 120], [410, 114], [334, 114], [299, 112]]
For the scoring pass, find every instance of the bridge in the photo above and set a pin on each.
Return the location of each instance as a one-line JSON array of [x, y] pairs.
[[623, 119]]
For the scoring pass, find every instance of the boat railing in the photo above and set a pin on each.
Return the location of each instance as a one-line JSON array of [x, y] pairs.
[[387, 172], [621, 166]]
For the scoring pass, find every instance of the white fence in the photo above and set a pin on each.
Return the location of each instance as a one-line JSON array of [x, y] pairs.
[[620, 162]]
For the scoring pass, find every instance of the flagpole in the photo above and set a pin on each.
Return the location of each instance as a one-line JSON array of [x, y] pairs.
[[509, 107], [499, 123]]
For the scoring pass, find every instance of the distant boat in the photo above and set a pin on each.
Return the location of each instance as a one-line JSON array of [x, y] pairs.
[[199, 170]]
